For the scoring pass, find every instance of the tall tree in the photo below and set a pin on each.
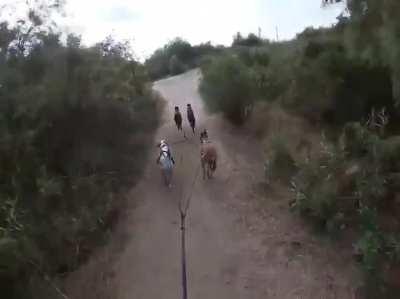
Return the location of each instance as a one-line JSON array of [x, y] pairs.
[[373, 34]]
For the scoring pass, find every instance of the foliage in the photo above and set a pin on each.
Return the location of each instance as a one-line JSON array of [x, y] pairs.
[[227, 87], [317, 76], [280, 165], [254, 56], [73, 122], [335, 78], [316, 187], [373, 34], [250, 41], [353, 184], [176, 57], [176, 67]]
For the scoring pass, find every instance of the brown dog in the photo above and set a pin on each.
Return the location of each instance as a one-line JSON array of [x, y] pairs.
[[208, 154]]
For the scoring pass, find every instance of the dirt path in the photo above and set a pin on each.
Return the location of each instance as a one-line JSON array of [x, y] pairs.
[[241, 241]]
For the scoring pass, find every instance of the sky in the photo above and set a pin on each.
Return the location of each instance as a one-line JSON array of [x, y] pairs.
[[149, 24]]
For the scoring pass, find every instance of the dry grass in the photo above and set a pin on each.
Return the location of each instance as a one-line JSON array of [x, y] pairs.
[[270, 121]]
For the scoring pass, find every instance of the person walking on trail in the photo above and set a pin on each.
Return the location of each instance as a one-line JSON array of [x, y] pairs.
[[191, 118], [178, 120]]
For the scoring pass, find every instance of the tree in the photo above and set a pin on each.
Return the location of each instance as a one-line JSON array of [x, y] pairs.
[[228, 87], [251, 40], [182, 49], [176, 66], [114, 48], [372, 35], [72, 119], [36, 18]]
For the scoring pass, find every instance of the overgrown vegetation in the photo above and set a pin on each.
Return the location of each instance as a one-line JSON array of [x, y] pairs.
[[312, 75], [227, 86], [345, 82], [177, 57], [250, 41], [353, 185], [75, 125], [281, 165]]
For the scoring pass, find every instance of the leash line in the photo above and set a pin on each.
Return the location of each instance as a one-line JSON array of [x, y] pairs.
[[183, 209], [183, 257]]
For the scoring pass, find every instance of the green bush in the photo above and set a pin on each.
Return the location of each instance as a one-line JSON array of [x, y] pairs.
[[251, 40], [352, 184], [176, 67], [176, 57], [345, 176], [228, 87], [316, 188], [158, 64], [328, 86], [75, 126], [280, 165], [370, 247], [314, 76]]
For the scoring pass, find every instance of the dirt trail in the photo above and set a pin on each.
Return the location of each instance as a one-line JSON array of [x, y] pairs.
[[241, 241]]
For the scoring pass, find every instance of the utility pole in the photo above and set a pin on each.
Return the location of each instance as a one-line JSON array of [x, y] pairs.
[[259, 32], [277, 35]]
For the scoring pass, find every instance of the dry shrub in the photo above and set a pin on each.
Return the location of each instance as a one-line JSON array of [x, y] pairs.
[[269, 120], [280, 164], [75, 126]]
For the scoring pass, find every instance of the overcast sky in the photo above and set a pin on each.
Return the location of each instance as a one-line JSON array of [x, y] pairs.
[[152, 23]]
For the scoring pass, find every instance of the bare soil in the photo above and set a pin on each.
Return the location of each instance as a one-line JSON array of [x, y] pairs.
[[242, 240]]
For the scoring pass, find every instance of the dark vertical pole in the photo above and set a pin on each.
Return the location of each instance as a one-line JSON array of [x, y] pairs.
[[184, 279]]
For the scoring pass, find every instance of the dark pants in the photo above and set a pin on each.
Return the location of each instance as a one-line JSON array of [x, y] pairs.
[[192, 124]]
